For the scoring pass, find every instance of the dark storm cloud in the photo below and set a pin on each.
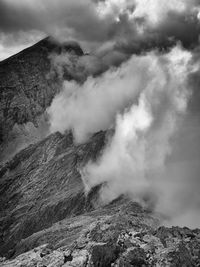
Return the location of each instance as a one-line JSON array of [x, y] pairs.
[[184, 28], [77, 18]]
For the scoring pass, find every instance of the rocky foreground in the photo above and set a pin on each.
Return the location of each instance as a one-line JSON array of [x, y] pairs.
[[120, 234]]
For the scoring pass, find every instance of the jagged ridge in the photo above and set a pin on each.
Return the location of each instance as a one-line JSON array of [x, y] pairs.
[[42, 185]]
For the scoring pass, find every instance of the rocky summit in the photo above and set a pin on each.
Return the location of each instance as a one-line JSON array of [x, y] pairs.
[[46, 217]]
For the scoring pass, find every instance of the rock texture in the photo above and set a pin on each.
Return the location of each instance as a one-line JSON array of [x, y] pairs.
[[42, 185], [27, 86], [122, 234]]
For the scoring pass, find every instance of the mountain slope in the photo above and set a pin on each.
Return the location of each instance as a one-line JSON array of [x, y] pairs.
[[42, 185], [27, 87]]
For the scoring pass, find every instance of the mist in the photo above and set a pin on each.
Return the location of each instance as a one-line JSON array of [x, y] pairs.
[[151, 155], [92, 106]]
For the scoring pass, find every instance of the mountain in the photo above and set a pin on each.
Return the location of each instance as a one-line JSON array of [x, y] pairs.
[[27, 86], [46, 217]]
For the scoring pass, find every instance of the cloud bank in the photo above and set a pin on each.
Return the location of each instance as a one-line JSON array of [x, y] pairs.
[[123, 25], [90, 107]]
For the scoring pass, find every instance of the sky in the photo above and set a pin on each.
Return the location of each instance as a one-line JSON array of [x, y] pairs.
[[127, 25]]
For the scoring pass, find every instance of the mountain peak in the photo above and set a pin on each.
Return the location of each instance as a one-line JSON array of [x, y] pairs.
[[27, 89]]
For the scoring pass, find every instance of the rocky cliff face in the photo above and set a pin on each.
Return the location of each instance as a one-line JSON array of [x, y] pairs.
[[27, 87], [46, 219]]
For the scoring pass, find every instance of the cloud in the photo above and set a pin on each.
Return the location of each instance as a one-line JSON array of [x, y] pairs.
[[92, 106], [130, 25], [153, 154]]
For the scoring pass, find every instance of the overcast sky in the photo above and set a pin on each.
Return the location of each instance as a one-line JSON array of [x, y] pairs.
[[125, 24]]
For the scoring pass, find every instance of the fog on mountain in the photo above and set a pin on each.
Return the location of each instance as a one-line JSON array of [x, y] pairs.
[[99, 133]]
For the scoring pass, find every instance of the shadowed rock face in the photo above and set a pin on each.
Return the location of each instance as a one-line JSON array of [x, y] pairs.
[[27, 87]]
